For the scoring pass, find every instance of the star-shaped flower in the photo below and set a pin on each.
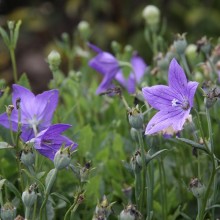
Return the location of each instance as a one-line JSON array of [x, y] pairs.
[[50, 140], [174, 101], [35, 111], [106, 64]]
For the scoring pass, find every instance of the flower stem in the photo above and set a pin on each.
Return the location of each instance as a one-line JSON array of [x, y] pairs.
[[13, 61], [138, 189], [186, 67], [210, 129]]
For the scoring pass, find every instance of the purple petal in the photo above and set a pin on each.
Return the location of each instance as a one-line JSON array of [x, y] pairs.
[[191, 89], [95, 48], [160, 96], [53, 130], [27, 100], [4, 121], [165, 119], [139, 67], [104, 63], [106, 83], [45, 105], [177, 78]]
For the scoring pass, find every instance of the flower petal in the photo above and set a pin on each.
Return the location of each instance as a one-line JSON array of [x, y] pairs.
[[165, 119], [191, 89], [139, 67], [160, 96], [177, 78], [4, 121]]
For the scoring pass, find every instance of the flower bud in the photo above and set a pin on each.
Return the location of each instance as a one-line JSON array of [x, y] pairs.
[[197, 187], [27, 157], [116, 47], [8, 211], [62, 158], [84, 172], [211, 97], [180, 44], [54, 59], [84, 29], [130, 213], [9, 109], [151, 14], [29, 196], [136, 162], [11, 25], [135, 118], [204, 45], [134, 134]]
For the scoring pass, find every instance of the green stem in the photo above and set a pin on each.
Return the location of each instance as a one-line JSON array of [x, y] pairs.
[[143, 185], [14, 66], [27, 213], [138, 189], [73, 207], [210, 129], [199, 203], [1, 198], [186, 67]]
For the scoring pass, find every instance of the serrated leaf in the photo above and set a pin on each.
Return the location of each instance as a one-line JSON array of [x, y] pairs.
[[5, 145], [2, 183], [60, 197]]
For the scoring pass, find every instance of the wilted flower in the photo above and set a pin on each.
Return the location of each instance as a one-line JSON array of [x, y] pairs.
[[50, 140], [174, 102], [36, 111], [130, 213], [197, 187], [106, 64]]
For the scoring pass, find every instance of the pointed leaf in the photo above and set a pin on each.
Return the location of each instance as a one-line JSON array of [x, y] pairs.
[[2, 183], [16, 33], [12, 188], [194, 144], [5, 37], [4, 145], [60, 197], [151, 157]]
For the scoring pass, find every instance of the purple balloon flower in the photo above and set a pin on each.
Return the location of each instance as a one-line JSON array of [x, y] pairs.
[[50, 140], [36, 111], [106, 64], [174, 101]]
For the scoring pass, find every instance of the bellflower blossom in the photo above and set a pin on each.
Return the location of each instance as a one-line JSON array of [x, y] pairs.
[[174, 101], [35, 111], [106, 64], [50, 140]]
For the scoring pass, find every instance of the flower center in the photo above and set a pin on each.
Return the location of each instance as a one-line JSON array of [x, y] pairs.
[[184, 104], [33, 122]]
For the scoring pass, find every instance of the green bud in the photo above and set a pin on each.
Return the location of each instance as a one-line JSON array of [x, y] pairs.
[[211, 97], [54, 59], [85, 171], [29, 196], [180, 44], [116, 47], [197, 188], [11, 25], [204, 45], [130, 213], [151, 14], [8, 211], [9, 109], [84, 29], [62, 158], [27, 157], [135, 118], [136, 162]]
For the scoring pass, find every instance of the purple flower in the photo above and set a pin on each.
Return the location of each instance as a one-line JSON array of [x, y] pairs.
[[50, 140], [36, 111], [174, 102], [110, 68]]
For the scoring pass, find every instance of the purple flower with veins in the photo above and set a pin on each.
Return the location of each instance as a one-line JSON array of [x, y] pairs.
[[50, 140], [35, 111], [106, 64], [174, 101]]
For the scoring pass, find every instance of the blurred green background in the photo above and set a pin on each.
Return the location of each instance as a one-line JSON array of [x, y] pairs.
[[43, 21]]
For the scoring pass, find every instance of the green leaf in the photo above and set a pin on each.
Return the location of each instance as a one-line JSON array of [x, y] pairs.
[[5, 37], [50, 179], [151, 157], [16, 33], [194, 144], [60, 197], [2, 183], [5, 145], [24, 81], [13, 189]]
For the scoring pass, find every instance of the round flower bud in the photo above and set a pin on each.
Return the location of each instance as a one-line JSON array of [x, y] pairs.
[[130, 213], [11, 25], [54, 59], [197, 188], [180, 45], [62, 158], [29, 197], [135, 118], [136, 162], [8, 212], [27, 157], [151, 14], [84, 29]]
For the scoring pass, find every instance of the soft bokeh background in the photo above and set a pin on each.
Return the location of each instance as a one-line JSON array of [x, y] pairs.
[[44, 21]]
